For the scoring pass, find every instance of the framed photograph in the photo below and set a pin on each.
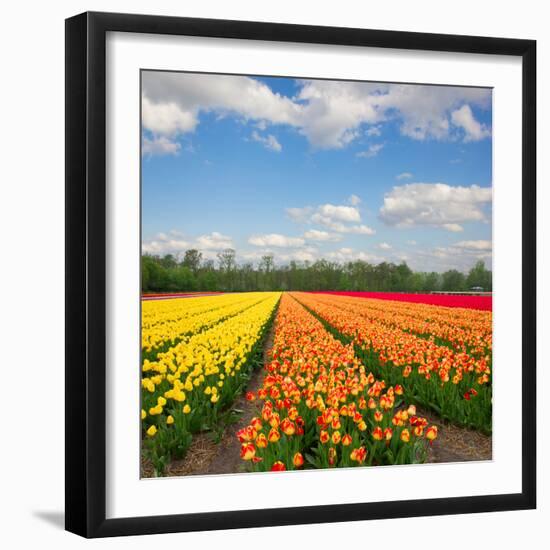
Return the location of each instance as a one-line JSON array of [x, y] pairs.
[[300, 274]]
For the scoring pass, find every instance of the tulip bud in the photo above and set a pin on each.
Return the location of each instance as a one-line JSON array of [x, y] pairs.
[[298, 460], [346, 440]]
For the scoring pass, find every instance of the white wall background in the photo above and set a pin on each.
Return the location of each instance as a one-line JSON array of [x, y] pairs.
[[32, 271]]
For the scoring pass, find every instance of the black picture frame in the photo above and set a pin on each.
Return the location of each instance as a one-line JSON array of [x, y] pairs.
[[85, 456]]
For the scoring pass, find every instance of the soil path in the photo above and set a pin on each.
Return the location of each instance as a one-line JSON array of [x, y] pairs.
[[455, 444]]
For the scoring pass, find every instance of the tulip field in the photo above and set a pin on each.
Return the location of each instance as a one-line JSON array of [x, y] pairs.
[[343, 380]]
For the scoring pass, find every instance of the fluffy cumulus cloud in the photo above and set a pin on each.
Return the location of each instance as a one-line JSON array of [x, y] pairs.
[[436, 205], [176, 243], [336, 218], [329, 114], [384, 246], [340, 213], [354, 200], [323, 236], [214, 241], [276, 240], [269, 142], [166, 243], [473, 130], [160, 145]]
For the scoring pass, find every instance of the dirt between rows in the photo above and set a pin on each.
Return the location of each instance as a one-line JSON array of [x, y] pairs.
[[453, 444]]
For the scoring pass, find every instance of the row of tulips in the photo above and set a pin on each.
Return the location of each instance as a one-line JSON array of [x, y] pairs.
[[167, 322], [319, 407], [480, 302], [456, 385], [465, 330], [191, 386]]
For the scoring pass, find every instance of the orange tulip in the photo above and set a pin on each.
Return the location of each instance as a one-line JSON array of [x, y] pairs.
[[256, 424], [288, 427], [298, 460], [405, 436], [273, 435], [431, 433], [346, 440], [358, 455], [248, 451], [377, 433]]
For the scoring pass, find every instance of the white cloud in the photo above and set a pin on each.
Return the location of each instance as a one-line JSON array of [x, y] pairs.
[[373, 131], [337, 218], [347, 254], [176, 243], [160, 145], [453, 227], [425, 110], [480, 245], [412, 243], [462, 256], [340, 227], [340, 213], [214, 241], [269, 142], [404, 176], [299, 215], [385, 246], [355, 229], [277, 240], [372, 151], [162, 244], [354, 200], [318, 235], [328, 113], [435, 204], [167, 118], [473, 130]]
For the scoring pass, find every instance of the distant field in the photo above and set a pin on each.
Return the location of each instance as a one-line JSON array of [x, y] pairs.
[[170, 295], [483, 303]]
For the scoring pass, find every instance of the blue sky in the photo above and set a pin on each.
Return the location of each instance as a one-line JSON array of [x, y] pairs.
[[308, 169]]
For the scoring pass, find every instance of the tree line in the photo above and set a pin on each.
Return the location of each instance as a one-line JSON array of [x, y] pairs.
[[194, 273]]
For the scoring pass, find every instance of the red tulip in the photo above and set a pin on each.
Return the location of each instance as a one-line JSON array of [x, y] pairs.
[[278, 466]]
